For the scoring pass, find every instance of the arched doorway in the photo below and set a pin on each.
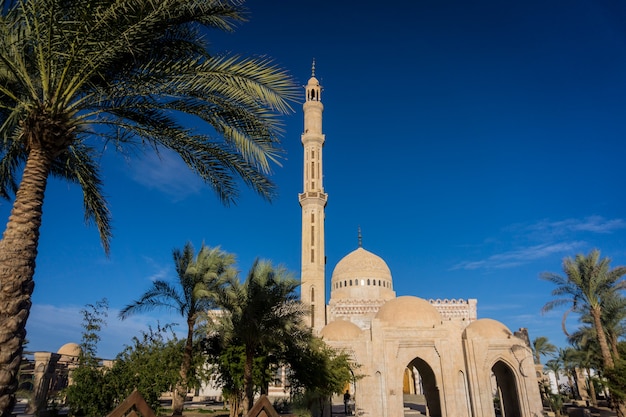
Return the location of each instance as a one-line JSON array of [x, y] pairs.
[[420, 388], [506, 400]]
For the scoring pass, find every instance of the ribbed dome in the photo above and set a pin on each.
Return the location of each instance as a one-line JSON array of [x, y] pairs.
[[362, 275], [409, 311], [340, 330], [69, 349], [487, 329]]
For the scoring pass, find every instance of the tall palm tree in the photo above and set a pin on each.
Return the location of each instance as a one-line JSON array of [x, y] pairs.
[[261, 313], [587, 285], [78, 77], [193, 295], [542, 347]]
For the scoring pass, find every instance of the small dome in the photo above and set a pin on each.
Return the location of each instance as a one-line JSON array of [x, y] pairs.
[[340, 330], [314, 81], [409, 311], [487, 329], [69, 349]]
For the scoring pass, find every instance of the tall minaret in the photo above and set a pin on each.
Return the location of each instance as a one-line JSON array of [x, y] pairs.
[[313, 200]]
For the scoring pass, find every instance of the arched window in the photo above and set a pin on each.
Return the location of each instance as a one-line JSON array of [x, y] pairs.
[[312, 294], [368, 281]]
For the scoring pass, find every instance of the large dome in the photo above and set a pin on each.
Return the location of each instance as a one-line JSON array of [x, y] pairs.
[[69, 349], [409, 311], [340, 330], [362, 275], [487, 329]]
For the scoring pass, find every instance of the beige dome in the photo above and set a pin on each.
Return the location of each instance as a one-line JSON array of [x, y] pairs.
[[340, 330], [487, 329], [409, 311], [360, 263], [361, 275], [69, 349]]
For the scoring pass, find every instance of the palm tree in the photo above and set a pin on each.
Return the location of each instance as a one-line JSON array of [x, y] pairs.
[[542, 347], [614, 321], [587, 285], [261, 313], [585, 358], [193, 295], [555, 366], [78, 77]]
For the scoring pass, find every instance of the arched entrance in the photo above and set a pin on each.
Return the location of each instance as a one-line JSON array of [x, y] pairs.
[[506, 400], [420, 388]]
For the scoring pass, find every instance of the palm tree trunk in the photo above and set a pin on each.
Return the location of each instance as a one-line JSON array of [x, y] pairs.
[[18, 251], [614, 342], [178, 400], [247, 381], [592, 388], [607, 358]]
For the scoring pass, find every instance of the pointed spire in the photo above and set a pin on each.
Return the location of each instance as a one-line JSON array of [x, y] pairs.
[[360, 238], [313, 68]]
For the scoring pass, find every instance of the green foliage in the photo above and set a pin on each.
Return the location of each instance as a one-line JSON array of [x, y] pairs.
[[616, 380], [94, 317], [556, 403], [542, 347], [262, 314], [199, 280], [88, 395], [229, 363], [319, 371], [151, 365]]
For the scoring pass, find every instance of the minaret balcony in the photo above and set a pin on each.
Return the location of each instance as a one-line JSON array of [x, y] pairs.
[[315, 196]]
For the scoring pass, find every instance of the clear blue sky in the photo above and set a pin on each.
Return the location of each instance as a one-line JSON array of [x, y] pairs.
[[476, 144]]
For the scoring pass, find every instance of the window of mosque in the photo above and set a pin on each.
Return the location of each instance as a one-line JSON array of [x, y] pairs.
[[312, 235], [345, 283], [312, 217], [312, 295], [312, 169], [368, 282], [312, 255], [379, 283], [374, 282], [350, 282], [362, 282]]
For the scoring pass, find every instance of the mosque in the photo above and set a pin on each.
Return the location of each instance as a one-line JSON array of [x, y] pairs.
[[415, 356], [436, 353]]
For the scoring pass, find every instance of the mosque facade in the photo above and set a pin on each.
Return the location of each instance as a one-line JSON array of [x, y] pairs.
[[434, 357]]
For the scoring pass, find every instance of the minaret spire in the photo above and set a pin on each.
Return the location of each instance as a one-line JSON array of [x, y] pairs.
[[313, 201], [360, 238]]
